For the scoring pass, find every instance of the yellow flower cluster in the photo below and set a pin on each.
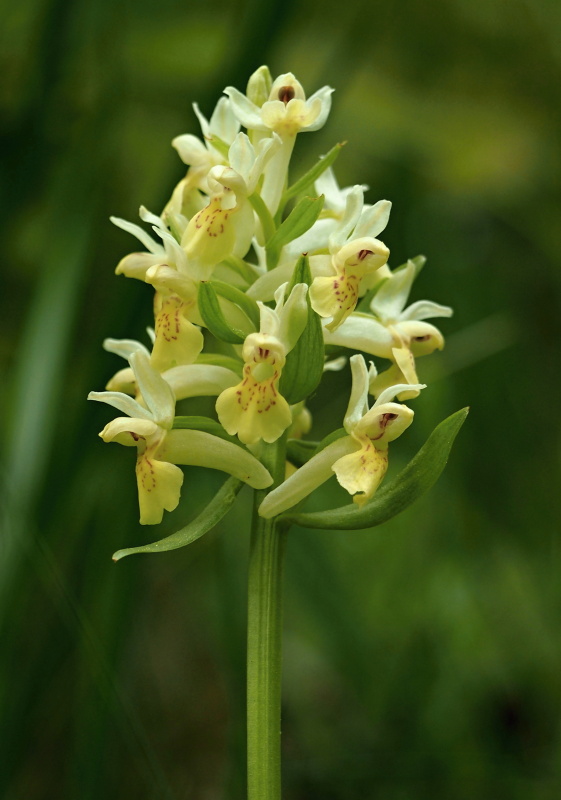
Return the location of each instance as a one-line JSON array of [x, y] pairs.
[[246, 266]]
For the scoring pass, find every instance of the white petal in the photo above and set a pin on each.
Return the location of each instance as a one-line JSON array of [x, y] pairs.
[[140, 234], [362, 332], [223, 122], [324, 97], [247, 112], [358, 402], [156, 393], [241, 155], [311, 475], [391, 297], [147, 216], [124, 347], [426, 309], [293, 316], [136, 265], [373, 219], [265, 286], [315, 238], [203, 122], [265, 151], [353, 209], [392, 391], [191, 150], [122, 429], [122, 402], [327, 185]]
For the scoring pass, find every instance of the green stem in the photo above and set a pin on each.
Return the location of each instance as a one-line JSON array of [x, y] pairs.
[[264, 651], [264, 215]]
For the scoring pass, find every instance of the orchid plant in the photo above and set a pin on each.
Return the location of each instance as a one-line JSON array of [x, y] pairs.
[[258, 283]]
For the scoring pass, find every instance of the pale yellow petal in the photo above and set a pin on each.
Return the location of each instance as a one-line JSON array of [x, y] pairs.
[[361, 473], [177, 341], [159, 488], [335, 297], [128, 430]]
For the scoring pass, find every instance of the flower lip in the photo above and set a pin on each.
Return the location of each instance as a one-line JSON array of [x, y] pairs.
[[286, 94], [385, 420]]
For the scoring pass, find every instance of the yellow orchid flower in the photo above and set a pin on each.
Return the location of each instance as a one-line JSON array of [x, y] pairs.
[[356, 254], [149, 427], [255, 409], [360, 459]]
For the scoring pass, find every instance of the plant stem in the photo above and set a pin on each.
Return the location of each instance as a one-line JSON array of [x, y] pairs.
[[264, 633]]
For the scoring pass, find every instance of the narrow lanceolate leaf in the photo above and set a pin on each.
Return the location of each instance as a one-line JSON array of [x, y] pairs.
[[247, 304], [300, 219], [304, 364], [412, 482], [308, 179], [213, 317], [207, 519]]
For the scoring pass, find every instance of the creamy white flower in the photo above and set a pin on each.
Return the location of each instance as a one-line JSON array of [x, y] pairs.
[[202, 156], [255, 409], [187, 379], [287, 112], [393, 331], [360, 459], [148, 426], [356, 254], [226, 225]]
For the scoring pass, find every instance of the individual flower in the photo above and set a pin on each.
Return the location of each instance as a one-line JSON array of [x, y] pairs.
[[360, 459], [148, 426], [165, 265], [202, 156], [187, 379], [226, 225], [286, 112], [393, 331], [356, 254], [255, 409]]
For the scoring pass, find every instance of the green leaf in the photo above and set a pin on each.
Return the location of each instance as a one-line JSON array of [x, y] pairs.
[[207, 519], [412, 482], [304, 364], [307, 180], [199, 423], [213, 317], [247, 304], [300, 219]]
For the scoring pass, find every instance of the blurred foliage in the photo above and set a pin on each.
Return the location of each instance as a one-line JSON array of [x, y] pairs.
[[423, 658]]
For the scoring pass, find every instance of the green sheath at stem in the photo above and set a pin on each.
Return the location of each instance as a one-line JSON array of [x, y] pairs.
[[264, 633]]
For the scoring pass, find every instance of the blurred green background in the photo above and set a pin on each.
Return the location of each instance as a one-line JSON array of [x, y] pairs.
[[422, 659]]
